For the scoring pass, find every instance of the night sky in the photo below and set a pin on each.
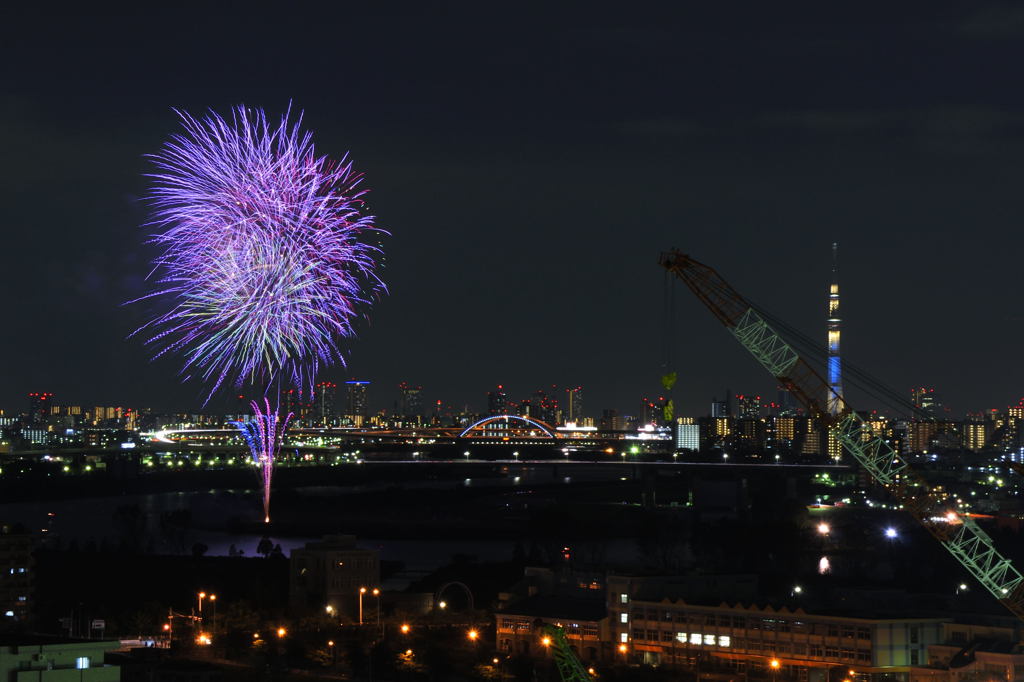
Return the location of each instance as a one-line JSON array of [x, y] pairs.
[[531, 166]]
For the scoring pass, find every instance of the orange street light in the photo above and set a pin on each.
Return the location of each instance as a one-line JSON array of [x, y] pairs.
[[545, 640], [376, 592], [404, 628], [330, 642], [281, 632], [623, 648], [167, 627], [472, 634], [775, 663]]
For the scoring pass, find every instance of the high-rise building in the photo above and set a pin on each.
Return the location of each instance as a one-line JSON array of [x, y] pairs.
[[611, 421], [926, 401], [324, 397], [39, 407], [497, 401], [975, 435], [721, 408], [291, 403], [687, 434], [649, 413], [574, 404], [749, 406], [410, 401], [355, 398], [545, 406], [786, 403], [834, 399]]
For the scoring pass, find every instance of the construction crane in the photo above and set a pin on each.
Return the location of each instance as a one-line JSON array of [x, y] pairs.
[[933, 508], [569, 667]]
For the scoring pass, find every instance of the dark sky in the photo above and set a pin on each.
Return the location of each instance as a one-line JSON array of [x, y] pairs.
[[531, 166]]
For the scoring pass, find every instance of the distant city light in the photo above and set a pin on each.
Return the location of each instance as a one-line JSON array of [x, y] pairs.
[[891, 532]]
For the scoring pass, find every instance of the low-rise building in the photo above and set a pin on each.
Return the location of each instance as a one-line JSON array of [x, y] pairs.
[[333, 575], [584, 621], [36, 658], [16, 574], [973, 652]]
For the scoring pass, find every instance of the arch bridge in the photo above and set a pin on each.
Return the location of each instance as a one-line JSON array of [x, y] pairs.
[[511, 426]]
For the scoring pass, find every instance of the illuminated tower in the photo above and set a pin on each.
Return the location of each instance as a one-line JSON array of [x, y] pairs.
[[834, 399]]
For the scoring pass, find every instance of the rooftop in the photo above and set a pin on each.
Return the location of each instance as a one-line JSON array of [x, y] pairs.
[[566, 608]]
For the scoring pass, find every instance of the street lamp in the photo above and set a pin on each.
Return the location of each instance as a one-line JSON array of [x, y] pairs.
[[281, 632], [473, 635], [213, 603], [376, 593], [362, 591], [404, 628], [442, 604], [823, 528], [202, 596]]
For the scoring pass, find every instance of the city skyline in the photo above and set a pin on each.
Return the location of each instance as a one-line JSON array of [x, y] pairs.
[[757, 179]]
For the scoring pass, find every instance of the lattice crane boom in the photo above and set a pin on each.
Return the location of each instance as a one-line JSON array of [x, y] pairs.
[[932, 507], [569, 667]]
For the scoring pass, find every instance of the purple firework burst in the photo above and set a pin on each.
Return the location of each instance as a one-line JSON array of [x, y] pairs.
[[264, 257]]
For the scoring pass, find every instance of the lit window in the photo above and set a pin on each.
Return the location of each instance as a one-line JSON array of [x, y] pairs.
[[624, 637], [82, 662], [623, 617], [681, 636], [623, 598], [709, 640], [695, 638], [723, 640]]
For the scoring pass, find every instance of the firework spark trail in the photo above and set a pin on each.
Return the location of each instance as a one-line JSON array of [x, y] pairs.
[[262, 435], [264, 261]]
